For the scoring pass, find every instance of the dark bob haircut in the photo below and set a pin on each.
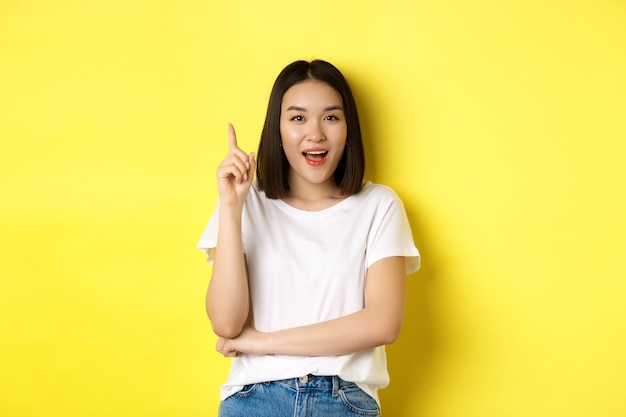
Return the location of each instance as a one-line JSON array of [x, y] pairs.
[[272, 165]]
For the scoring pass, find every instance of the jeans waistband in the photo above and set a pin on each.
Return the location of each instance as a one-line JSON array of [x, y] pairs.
[[315, 382]]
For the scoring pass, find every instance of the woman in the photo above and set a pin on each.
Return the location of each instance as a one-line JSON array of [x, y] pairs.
[[309, 261]]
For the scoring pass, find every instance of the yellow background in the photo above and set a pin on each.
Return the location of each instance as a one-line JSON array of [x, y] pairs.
[[501, 124]]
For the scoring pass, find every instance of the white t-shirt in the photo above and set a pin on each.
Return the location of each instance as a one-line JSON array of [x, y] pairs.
[[307, 267]]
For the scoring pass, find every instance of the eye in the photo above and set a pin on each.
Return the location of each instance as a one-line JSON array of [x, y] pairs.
[[297, 118], [331, 117]]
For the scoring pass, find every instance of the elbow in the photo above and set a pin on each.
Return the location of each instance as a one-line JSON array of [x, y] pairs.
[[389, 333], [390, 336], [383, 328], [226, 330], [225, 323]]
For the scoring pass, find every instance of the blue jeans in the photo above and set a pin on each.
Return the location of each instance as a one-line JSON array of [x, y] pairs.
[[308, 396]]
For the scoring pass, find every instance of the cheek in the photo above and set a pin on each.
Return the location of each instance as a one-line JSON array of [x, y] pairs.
[[340, 132], [289, 134], [284, 131], [289, 142]]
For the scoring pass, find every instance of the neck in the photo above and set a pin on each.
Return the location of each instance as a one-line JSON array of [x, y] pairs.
[[313, 197]]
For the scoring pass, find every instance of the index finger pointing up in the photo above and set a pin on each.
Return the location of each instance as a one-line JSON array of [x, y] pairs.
[[232, 137]]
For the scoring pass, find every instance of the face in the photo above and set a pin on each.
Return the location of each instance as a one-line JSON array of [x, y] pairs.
[[313, 131]]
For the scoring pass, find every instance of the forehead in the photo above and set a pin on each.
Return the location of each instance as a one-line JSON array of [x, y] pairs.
[[311, 93]]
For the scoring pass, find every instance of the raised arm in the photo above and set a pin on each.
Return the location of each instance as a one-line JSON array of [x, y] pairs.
[[227, 298], [379, 323]]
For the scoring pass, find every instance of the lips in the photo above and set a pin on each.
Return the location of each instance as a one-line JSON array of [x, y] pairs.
[[315, 157]]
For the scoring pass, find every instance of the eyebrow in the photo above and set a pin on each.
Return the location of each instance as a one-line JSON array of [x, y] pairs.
[[329, 108]]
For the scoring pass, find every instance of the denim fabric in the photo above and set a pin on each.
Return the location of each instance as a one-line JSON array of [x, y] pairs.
[[308, 396]]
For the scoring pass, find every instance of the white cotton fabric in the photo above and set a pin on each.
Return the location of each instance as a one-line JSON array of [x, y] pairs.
[[307, 267]]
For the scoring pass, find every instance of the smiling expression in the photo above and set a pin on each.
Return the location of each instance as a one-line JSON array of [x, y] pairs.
[[313, 131]]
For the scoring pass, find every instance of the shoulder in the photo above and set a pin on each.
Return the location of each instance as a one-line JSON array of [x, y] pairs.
[[373, 191], [256, 199], [256, 192]]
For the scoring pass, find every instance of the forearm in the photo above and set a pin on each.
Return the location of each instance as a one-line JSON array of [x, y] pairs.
[[227, 298], [358, 331]]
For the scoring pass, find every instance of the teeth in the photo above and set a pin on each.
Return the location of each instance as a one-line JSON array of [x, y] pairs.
[[316, 153]]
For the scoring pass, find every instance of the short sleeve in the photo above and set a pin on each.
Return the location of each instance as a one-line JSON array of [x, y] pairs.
[[208, 240], [391, 234]]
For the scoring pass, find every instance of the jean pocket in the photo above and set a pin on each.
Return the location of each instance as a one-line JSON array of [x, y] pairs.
[[359, 402], [246, 391]]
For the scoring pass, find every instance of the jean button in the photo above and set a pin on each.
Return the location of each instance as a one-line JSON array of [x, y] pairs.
[[303, 379]]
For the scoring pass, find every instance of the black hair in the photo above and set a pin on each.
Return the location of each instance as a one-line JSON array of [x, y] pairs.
[[272, 165]]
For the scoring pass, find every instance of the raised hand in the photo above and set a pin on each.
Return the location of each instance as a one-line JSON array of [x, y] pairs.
[[235, 173]]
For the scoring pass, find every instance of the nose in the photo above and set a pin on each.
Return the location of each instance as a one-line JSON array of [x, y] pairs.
[[315, 133]]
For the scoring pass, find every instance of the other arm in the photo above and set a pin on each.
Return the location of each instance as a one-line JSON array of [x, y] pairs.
[[379, 323]]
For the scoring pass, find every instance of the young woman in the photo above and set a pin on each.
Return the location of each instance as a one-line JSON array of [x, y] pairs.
[[309, 261]]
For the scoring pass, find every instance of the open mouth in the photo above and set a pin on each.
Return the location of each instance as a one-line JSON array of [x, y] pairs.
[[315, 155]]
